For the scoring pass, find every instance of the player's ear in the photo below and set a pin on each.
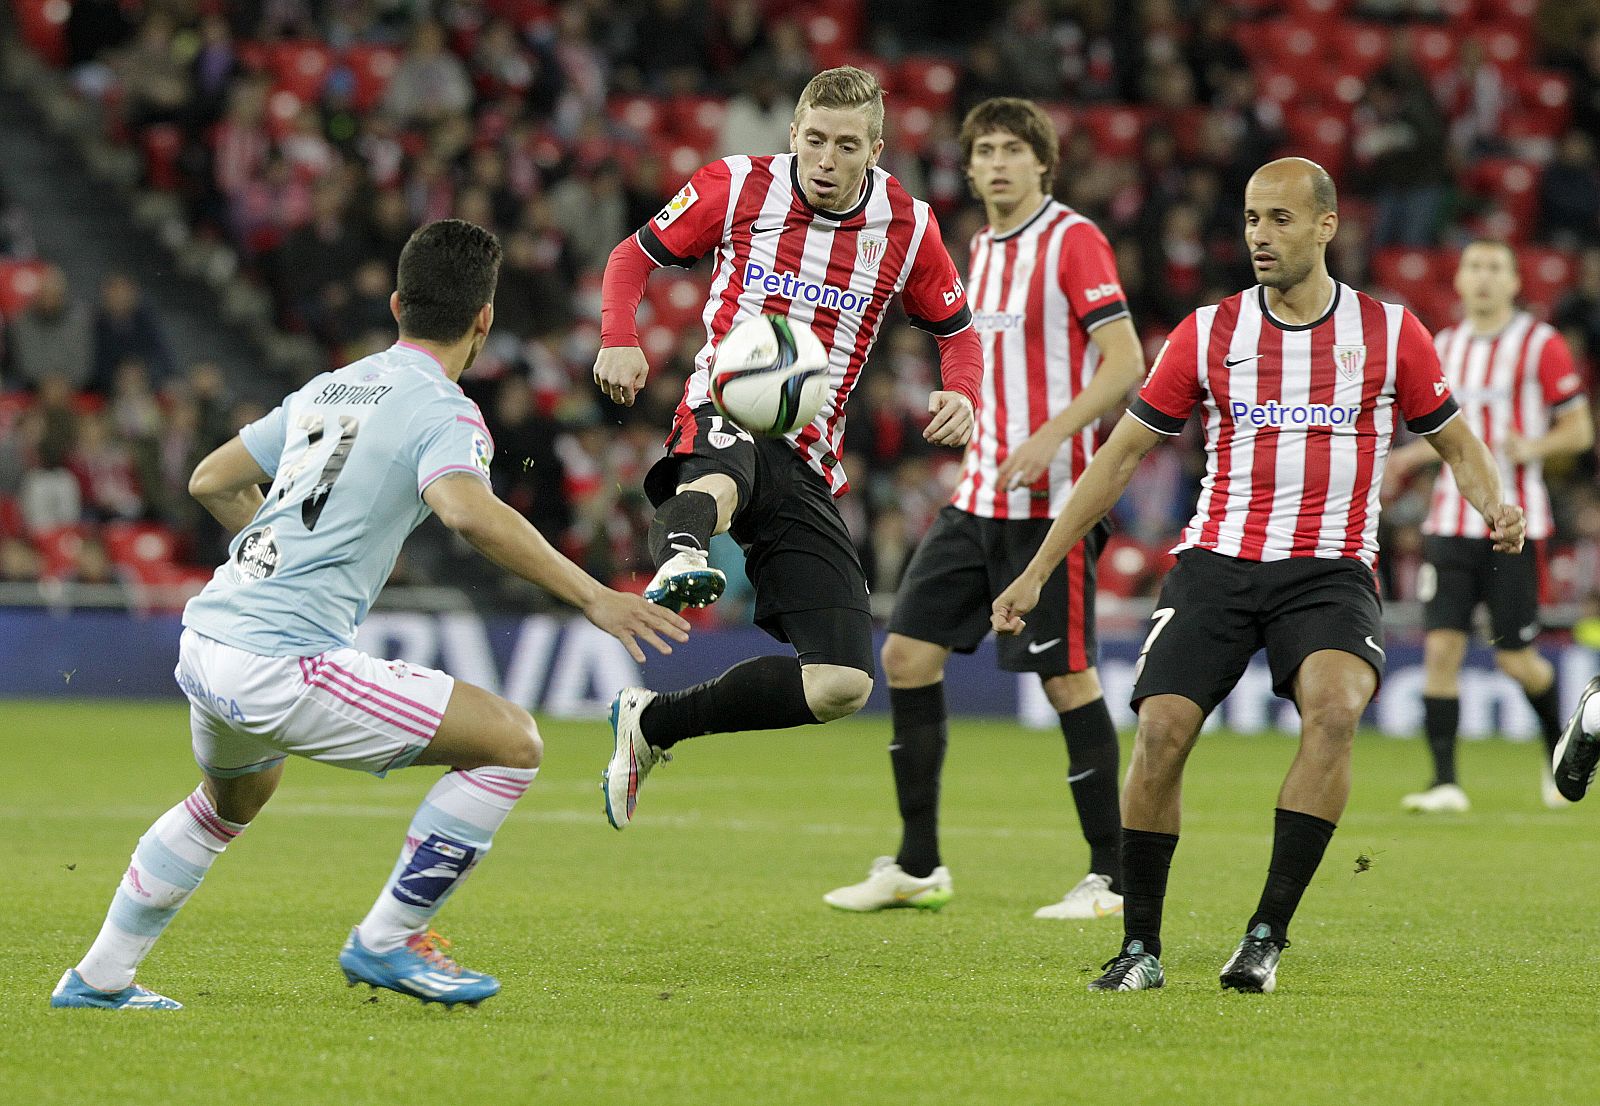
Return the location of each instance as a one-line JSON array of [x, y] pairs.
[[394, 305], [794, 138], [1329, 227], [485, 318], [877, 152]]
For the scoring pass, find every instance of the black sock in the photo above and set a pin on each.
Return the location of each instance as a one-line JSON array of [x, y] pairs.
[[685, 520], [1547, 705], [1092, 774], [1298, 842], [1440, 719], [1146, 860], [917, 753], [762, 693]]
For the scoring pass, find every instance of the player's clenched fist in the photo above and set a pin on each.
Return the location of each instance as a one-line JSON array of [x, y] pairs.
[[952, 419], [626, 617], [620, 372], [1017, 600], [1506, 525]]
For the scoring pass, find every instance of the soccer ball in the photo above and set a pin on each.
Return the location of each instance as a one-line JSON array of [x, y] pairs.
[[769, 375]]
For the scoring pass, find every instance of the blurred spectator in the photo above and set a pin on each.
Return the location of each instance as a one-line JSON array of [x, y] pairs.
[[591, 212], [1400, 151], [431, 83], [1475, 97], [1212, 52], [53, 337], [1569, 194], [49, 495], [124, 327], [326, 250], [758, 117], [154, 79], [103, 465], [16, 229], [1577, 314]]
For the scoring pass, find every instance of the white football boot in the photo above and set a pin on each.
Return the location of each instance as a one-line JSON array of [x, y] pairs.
[[887, 887], [1441, 798], [1552, 796], [632, 757], [1091, 898], [686, 580]]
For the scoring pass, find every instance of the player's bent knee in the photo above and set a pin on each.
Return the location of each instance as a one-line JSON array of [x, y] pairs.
[[1072, 690], [1334, 721], [1167, 729], [834, 691], [525, 748], [911, 663]]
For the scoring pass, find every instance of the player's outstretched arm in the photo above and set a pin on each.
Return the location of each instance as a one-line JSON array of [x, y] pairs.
[[1121, 367], [1095, 493], [468, 506], [1478, 477], [620, 369], [227, 484]]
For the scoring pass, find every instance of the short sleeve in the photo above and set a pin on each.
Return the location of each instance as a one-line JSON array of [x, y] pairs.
[[264, 439], [1172, 387], [934, 297], [691, 223], [1088, 276], [1559, 377], [455, 441], [1420, 387]]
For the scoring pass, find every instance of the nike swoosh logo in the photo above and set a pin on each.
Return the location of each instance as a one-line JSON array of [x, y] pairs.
[[1377, 648], [1102, 912], [1076, 776], [1037, 647], [1228, 364], [756, 229], [892, 748]]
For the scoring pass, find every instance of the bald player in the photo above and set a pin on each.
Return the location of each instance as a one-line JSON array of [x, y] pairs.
[[1298, 382]]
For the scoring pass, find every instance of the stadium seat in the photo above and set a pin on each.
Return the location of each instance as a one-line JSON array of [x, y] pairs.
[[929, 82], [162, 145], [1513, 186], [676, 301], [300, 67], [43, 26], [1125, 567], [129, 543], [638, 114], [696, 121], [909, 127], [10, 517], [827, 38], [1435, 50], [1319, 134], [1363, 48], [19, 283], [1117, 129], [1547, 275], [283, 107], [1506, 46], [58, 549], [1544, 105], [374, 67], [522, 14]]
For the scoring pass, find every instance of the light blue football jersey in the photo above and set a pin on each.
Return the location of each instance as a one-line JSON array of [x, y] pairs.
[[350, 455]]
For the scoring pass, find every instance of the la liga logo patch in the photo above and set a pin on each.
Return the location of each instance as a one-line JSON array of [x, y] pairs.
[[481, 454]]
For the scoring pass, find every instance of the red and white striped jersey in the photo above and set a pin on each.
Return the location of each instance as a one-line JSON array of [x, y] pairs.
[[1507, 383], [1298, 420], [1036, 292], [835, 271]]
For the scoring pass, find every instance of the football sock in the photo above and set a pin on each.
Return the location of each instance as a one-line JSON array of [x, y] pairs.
[[1298, 842], [686, 521], [1547, 705], [762, 693], [917, 754], [1146, 860], [1092, 775], [1440, 718], [448, 836], [170, 861]]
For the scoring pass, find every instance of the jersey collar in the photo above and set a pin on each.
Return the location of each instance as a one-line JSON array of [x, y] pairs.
[[412, 347], [1032, 219], [1333, 305], [831, 216]]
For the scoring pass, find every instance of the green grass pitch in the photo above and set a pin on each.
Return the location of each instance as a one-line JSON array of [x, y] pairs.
[[691, 960]]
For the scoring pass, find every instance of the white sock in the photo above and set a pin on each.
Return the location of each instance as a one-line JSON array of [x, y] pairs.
[[1591, 716], [450, 833], [170, 861]]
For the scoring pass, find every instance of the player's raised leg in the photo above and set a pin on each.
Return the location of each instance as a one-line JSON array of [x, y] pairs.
[[915, 876], [1331, 689], [1577, 754], [493, 750], [171, 859], [1537, 678], [680, 536], [1168, 727]]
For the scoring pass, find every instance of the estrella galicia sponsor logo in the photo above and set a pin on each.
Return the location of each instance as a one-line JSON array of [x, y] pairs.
[[1273, 413], [432, 870], [796, 288], [258, 554]]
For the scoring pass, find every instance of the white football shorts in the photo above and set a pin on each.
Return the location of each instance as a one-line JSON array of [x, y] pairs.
[[248, 712]]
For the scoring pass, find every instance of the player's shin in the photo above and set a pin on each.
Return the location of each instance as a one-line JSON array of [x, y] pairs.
[[762, 693], [1298, 842], [1092, 755], [917, 754], [1146, 862], [450, 833], [170, 861]]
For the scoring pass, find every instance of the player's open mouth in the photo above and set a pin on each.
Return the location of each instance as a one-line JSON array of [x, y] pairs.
[[821, 185], [1263, 260]]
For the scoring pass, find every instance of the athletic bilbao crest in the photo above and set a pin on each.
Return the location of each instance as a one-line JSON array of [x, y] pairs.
[[871, 250], [1351, 360]]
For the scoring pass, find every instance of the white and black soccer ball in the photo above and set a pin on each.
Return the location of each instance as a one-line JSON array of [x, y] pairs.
[[769, 375]]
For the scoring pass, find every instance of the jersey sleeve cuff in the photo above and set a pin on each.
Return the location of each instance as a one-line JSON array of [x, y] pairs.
[[955, 324], [1105, 313], [422, 485], [1434, 421], [1156, 419], [256, 454], [657, 251]]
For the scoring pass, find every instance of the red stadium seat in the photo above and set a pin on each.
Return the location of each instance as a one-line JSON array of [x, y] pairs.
[[162, 145], [1514, 187], [374, 67], [300, 67], [1436, 49], [930, 82], [10, 517], [1125, 567], [1321, 135], [1116, 130], [696, 120], [909, 127], [130, 543], [1506, 46], [19, 283], [283, 107], [58, 549], [43, 25], [1289, 42], [1547, 275], [676, 301], [828, 39], [1544, 104], [1363, 48], [639, 114]]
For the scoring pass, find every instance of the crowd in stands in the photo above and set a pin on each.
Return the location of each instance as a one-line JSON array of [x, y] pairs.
[[312, 136]]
